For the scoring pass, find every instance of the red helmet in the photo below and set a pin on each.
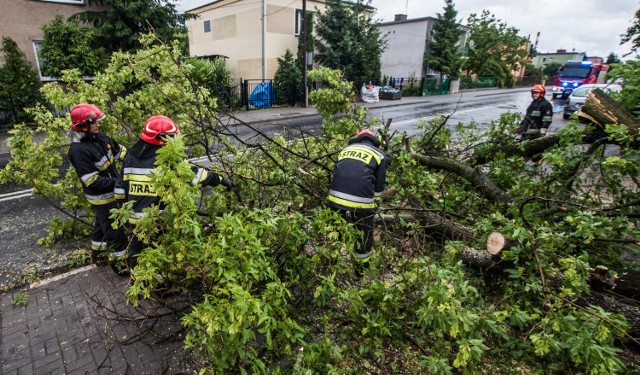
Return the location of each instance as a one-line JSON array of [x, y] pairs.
[[83, 115], [156, 128], [367, 132], [539, 88]]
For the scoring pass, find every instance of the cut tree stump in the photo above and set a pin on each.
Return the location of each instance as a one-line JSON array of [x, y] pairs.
[[496, 242]]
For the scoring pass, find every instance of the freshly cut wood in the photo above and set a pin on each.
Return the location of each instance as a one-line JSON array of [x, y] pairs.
[[601, 110], [496, 242]]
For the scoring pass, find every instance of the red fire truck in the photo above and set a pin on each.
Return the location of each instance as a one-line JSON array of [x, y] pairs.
[[575, 73]]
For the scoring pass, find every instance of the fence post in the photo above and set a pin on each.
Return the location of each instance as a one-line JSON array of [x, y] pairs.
[[245, 94]]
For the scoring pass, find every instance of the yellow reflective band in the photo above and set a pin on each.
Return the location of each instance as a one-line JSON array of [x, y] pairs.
[[346, 203], [119, 196], [140, 188], [91, 180], [137, 177], [100, 202]]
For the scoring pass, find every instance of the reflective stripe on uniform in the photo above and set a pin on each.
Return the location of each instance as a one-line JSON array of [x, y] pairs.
[[100, 199], [349, 197], [137, 174], [97, 245], [201, 175], [118, 254], [351, 204], [105, 162], [89, 178]]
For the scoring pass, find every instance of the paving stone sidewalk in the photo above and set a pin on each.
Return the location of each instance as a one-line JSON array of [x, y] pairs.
[[79, 323]]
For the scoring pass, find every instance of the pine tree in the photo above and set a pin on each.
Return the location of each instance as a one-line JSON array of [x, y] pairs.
[[19, 86], [612, 58], [287, 80], [348, 40], [444, 55]]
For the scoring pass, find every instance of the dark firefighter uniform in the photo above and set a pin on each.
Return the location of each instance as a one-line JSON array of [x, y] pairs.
[[538, 116], [356, 187], [93, 157], [135, 185]]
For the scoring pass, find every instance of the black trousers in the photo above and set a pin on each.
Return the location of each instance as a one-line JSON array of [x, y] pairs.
[[364, 222], [104, 237]]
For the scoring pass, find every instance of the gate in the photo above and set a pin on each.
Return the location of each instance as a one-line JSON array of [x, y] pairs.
[[435, 86]]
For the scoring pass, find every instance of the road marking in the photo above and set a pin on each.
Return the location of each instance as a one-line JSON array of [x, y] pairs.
[[426, 118], [61, 276], [16, 194]]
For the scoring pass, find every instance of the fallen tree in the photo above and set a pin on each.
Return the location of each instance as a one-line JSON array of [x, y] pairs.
[[271, 265]]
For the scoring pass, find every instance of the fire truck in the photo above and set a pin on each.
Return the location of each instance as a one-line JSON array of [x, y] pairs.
[[575, 73]]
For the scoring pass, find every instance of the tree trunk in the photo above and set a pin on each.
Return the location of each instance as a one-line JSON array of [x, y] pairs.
[[601, 110], [434, 224], [479, 180]]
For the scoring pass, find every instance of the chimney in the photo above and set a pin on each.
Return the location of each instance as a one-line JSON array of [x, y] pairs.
[[561, 51], [400, 17]]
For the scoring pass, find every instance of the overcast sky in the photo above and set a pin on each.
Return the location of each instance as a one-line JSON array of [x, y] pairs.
[[592, 26]]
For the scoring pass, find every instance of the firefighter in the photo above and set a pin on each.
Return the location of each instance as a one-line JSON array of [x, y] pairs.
[[133, 184], [537, 117], [93, 156], [357, 184]]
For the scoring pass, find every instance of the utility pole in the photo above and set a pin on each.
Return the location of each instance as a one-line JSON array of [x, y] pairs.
[[264, 39], [303, 35]]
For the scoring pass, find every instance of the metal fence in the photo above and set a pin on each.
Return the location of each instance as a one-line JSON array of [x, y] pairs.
[[467, 83]]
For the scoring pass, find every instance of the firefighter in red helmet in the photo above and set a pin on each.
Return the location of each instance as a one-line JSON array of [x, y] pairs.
[[133, 184], [93, 156], [538, 116], [358, 181]]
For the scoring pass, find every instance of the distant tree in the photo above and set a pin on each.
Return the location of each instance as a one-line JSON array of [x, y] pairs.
[[347, 39], [531, 70], [66, 45], [19, 86], [612, 58], [444, 53], [551, 68], [215, 75], [497, 49], [288, 80], [633, 33], [119, 24]]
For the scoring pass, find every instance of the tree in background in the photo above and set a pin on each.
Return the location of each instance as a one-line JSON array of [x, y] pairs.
[[612, 58], [633, 33], [444, 54], [119, 25], [551, 69], [348, 39], [497, 49], [19, 86], [66, 45], [215, 75], [288, 80]]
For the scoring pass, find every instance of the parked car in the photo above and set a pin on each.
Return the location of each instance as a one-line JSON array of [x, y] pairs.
[[578, 96]]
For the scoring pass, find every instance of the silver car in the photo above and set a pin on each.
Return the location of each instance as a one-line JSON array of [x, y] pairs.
[[578, 96]]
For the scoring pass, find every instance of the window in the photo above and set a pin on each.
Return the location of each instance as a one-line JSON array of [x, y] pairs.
[[298, 21], [544, 59], [40, 61], [207, 26], [77, 2]]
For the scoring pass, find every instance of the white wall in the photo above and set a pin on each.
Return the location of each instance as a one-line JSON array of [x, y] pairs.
[[404, 55]]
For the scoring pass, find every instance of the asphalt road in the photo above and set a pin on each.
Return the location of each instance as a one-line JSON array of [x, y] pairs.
[[24, 218]]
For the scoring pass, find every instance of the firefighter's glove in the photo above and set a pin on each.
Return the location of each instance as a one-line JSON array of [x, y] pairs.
[[543, 132], [227, 183]]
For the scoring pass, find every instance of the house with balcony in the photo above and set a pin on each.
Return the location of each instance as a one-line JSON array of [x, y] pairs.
[[22, 20], [234, 29]]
